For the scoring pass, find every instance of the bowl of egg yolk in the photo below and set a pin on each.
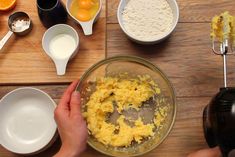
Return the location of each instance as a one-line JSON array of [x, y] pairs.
[[129, 105], [84, 12]]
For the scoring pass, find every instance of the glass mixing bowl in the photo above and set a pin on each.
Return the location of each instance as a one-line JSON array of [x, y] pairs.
[[133, 66]]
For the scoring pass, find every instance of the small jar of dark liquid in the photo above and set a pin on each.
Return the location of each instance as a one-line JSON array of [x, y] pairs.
[[51, 12]]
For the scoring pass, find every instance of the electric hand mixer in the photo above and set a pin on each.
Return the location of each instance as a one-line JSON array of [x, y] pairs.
[[219, 115]]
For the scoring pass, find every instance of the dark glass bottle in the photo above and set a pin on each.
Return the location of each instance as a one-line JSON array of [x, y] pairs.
[[51, 12]]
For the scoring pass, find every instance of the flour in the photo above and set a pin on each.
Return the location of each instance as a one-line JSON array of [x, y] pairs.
[[20, 25], [147, 19]]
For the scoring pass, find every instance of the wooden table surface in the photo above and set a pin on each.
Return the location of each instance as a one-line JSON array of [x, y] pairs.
[[186, 58], [23, 60]]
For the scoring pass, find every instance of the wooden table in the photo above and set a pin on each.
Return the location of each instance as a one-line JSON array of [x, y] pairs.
[[186, 58]]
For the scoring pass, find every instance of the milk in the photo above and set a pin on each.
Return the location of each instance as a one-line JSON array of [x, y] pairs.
[[62, 46]]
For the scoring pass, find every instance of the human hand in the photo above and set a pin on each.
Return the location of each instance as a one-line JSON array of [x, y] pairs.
[[71, 125], [212, 152]]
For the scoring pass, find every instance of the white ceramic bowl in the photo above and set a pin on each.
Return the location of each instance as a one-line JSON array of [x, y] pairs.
[[174, 6], [52, 32], [87, 27], [27, 123]]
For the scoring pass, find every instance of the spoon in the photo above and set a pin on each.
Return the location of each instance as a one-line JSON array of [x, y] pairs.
[[15, 28], [88, 25]]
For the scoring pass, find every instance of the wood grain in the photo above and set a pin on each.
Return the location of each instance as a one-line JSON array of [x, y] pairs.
[[190, 10], [181, 141], [23, 60], [186, 58]]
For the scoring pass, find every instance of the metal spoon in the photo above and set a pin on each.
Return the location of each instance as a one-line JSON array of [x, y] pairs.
[[16, 29]]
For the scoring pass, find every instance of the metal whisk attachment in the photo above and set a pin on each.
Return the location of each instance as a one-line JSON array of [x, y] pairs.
[[224, 51], [224, 31]]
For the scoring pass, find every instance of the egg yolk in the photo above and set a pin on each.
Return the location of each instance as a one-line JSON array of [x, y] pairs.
[[86, 4], [83, 15]]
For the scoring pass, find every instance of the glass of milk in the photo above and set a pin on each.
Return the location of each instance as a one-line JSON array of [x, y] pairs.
[[61, 43]]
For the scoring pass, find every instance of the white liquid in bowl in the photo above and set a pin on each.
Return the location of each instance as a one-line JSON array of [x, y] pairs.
[[62, 46]]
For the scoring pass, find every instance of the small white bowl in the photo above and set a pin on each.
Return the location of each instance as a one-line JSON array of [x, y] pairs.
[[27, 123], [54, 31], [174, 6], [87, 27]]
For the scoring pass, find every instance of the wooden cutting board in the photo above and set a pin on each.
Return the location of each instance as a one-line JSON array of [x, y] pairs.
[[22, 60]]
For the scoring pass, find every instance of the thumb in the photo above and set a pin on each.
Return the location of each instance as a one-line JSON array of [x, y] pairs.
[[75, 104], [212, 152]]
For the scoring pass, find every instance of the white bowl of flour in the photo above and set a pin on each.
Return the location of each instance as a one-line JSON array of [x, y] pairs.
[[148, 21]]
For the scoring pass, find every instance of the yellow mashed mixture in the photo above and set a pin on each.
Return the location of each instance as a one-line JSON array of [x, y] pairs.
[[223, 27], [124, 94]]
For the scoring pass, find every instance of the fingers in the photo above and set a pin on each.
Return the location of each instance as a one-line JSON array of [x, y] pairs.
[[64, 102], [217, 151], [75, 104], [214, 152]]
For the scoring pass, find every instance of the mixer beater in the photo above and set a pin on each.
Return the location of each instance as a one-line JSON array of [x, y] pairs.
[[219, 115]]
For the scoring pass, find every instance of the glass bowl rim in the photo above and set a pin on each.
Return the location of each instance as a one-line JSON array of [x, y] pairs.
[[147, 64]]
